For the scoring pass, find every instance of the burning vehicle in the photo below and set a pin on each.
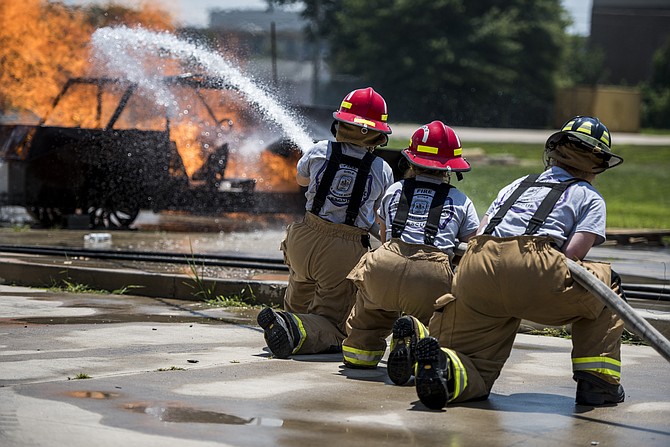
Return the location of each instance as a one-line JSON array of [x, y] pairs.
[[106, 150]]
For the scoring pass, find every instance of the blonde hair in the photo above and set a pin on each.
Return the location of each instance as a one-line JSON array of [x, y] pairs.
[[414, 170]]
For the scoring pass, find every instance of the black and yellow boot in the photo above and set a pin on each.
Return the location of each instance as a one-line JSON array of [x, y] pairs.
[[433, 374], [279, 330], [402, 360]]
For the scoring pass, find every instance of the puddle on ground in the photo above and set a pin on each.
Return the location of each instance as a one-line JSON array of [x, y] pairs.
[[115, 319], [93, 395], [188, 312], [175, 413]]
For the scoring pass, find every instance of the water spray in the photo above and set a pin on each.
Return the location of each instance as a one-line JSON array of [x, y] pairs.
[[124, 50]]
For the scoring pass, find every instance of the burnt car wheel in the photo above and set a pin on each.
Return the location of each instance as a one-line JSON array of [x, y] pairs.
[[49, 216], [113, 217]]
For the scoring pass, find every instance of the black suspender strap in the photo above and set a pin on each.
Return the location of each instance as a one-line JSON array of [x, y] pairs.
[[436, 206], [362, 166], [546, 206], [557, 190], [402, 211], [498, 217], [327, 178], [359, 187]]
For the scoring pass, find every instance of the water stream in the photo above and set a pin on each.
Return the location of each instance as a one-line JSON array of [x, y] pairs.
[[123, 50]]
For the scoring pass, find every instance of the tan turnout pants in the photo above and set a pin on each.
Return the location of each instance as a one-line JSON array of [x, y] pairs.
[[319, 296], [394, 279], [501, 281]]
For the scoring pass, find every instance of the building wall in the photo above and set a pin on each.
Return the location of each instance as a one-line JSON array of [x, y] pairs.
[[629, 32], [617, 107]]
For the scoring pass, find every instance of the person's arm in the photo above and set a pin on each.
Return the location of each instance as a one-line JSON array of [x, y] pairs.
[[302, 181], [579, 245], [382, 229], [482, 224]]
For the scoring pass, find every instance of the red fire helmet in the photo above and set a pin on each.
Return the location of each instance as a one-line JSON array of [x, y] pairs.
[[364, 108], [436, 146]]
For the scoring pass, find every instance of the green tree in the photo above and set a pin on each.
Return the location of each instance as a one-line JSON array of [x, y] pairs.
[[656, 93], [583, 64], [490, 62], [477, 63]]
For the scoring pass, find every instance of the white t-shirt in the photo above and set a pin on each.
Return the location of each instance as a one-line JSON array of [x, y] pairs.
[[458, 218], [581, 208], [313, 165]]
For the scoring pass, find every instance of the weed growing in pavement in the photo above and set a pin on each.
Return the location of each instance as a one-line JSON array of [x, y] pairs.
[[172, 368], [207, 293], [66, 285], [72, 287], [561, 332], [80, 376], [629, 338], [236, 300], [201, 289], [123, 290]]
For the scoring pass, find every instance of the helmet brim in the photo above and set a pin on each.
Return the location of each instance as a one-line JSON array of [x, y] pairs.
[[357, 120], [456, 164], [591, 143]]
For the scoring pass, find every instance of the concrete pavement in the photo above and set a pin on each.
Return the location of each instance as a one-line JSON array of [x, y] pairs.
[[170, 372]]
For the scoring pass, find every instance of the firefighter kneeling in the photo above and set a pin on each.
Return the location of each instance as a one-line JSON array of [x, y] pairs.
[[421, 219], [515, 269], [345, 182]]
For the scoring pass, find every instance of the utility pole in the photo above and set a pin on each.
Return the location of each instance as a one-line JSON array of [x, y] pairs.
[[273, 42], [316, 52]]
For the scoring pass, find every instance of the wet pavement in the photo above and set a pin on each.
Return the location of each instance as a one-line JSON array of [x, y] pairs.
[[101, 369], [87, 369]]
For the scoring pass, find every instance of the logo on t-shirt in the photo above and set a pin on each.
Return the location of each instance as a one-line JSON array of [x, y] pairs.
[[343, 186]]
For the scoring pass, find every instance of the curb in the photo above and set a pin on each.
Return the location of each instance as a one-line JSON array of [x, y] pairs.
[[150, 284], [160, 285]]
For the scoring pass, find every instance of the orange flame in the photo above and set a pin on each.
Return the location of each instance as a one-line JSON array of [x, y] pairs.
[[43, 44]]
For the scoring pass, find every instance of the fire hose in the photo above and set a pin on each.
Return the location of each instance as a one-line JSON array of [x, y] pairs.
[[639, 325], [598, 288]]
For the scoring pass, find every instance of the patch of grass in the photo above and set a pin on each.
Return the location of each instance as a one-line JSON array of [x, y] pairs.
[[561, 332], [648, 131], [243, 299], [69, 286], [635, 192], [20, 227], [483, 183], [123, 290], [172, 368], [80, 376], [629, 338], [73, 287]]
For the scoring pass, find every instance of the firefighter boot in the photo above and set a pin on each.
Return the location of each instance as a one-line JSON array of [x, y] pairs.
[[433, 374], [594, 391], [401, 362], [279, 332]]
